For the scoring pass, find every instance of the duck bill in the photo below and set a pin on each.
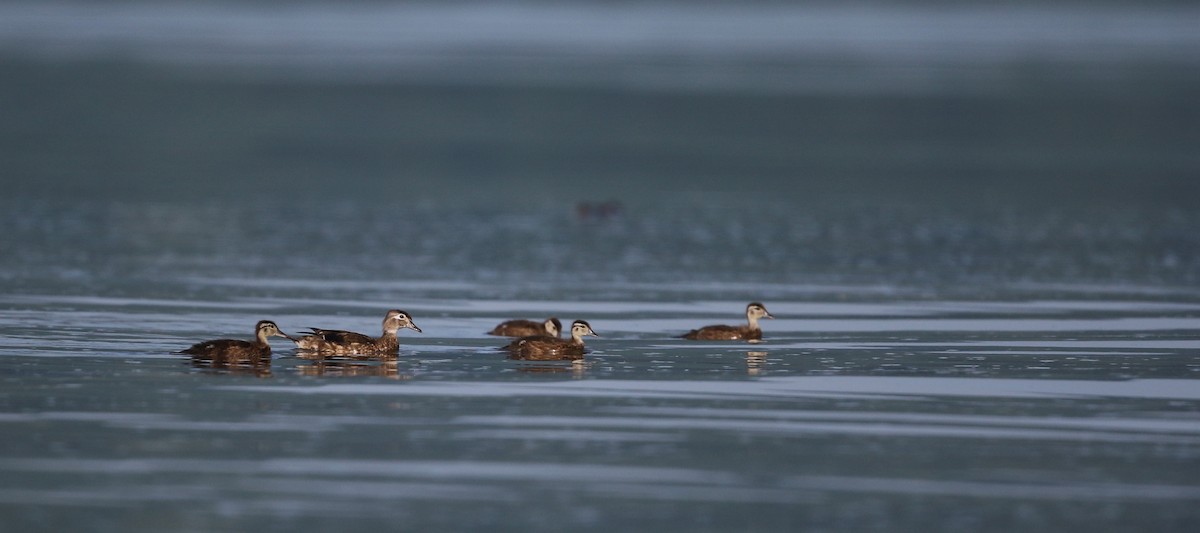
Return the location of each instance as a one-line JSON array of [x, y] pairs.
[[286, 336], [414, 328]]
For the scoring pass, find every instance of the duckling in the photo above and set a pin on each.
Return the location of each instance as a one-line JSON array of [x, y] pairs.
[[337, 342], [233, 349], [528, 328], [750, 332], [546, 348]]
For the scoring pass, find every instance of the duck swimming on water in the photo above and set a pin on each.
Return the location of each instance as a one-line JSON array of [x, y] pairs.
[[750, 332], [234, 349], [338, 342], [528, 328], [546, 348]]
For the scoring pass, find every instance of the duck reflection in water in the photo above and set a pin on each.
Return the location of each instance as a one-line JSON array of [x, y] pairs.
[[756, 363], [350, 367], [258, 367], [576, 368]]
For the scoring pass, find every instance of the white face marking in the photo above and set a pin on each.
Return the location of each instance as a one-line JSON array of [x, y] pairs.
[[581, 330]]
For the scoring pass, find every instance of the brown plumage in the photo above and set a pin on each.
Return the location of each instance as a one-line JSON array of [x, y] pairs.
[[750, 331], [528, 328], [546, 348], [338, 342], [238, 350]]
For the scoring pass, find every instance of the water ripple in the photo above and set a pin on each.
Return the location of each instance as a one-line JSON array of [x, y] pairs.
[[878, 387], [477, 480]]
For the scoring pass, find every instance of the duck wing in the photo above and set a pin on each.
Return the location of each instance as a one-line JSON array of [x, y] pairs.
[[217, 347], [544, 348], [528, 341], [517, 328], [337, 336]]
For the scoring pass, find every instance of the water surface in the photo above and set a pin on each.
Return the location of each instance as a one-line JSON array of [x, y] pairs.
[[977, 228], [903, 403]]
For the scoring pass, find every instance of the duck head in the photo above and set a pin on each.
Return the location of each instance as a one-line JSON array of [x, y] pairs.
[[581, 328], [553, 327], [395, 320], [267, 328]]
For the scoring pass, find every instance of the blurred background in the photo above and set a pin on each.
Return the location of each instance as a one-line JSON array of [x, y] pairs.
[[531, 103], [863, 142]]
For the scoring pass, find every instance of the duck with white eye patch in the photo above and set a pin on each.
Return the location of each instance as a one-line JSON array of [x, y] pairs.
[[238, 350], [546, 348], [338, 342], [750, 332]]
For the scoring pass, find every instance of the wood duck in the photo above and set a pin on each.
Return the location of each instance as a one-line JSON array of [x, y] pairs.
[[528, 328], [234, 349], [546, 348], [337, 342], [750, 331]]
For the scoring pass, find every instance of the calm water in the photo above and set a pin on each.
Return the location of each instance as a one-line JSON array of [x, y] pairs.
[[988, 402], [978, 230]]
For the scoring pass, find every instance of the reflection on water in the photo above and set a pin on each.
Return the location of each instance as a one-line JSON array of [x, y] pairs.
[[258, 367], [756, 363], [332, 367], [577, 368], [310, 355]]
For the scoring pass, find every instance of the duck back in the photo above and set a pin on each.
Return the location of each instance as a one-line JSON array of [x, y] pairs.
[[229, 349], [518, 328], [334, 341], [723, 333], [544, 348]]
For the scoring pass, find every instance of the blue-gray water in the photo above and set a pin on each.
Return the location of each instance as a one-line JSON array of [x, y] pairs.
[[977, 229]]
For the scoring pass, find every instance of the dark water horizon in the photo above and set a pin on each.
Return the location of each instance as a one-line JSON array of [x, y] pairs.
[[526, 104], [1048, 145]]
